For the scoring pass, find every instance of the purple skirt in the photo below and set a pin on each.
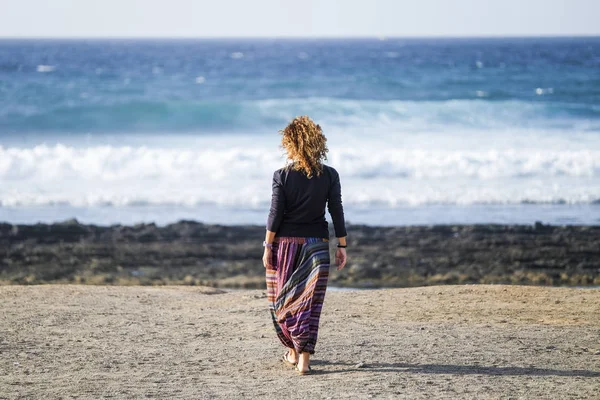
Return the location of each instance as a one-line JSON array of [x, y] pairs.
[[296, 288]]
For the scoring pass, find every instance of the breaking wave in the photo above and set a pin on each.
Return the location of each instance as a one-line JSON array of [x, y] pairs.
[[240, 177]]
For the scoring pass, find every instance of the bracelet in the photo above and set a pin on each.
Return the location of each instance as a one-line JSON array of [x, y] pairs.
[[342, 246], [265, 244]]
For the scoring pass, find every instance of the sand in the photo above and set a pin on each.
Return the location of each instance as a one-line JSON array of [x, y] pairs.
[[183, 342]]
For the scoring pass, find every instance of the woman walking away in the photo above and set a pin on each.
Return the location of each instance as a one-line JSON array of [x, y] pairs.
[[296, 254]]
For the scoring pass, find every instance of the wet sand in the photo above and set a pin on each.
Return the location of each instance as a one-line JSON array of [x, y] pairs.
[[182, 342]]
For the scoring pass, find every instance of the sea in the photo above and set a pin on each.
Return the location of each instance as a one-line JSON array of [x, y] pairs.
[[422, 131]]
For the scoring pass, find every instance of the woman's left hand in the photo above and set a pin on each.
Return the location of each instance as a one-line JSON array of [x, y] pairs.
[[267, 258]]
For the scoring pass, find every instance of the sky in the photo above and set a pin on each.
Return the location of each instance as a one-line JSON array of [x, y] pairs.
[[306, 18]]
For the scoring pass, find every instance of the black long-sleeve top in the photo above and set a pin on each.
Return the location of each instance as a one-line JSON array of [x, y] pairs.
[[298, 204]]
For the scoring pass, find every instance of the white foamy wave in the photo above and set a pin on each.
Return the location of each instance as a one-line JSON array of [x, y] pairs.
[[45, 68], [240, 177], [480, 165], [541, 91]]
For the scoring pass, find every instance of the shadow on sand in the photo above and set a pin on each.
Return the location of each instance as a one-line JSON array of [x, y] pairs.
[[449, 369]]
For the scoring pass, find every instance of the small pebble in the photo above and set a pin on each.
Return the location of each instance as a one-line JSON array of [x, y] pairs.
[[361, 365]]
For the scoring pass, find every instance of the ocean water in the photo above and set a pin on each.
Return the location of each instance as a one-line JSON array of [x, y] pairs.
[[422, 131]]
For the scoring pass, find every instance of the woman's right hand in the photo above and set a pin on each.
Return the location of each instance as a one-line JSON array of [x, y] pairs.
[[340, 258], [267, 256]]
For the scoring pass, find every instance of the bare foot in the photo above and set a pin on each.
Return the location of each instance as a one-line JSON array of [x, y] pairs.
[[303, 363], [291, 357]]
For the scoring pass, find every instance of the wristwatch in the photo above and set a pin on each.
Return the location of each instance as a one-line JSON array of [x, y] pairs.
[[265, 244]]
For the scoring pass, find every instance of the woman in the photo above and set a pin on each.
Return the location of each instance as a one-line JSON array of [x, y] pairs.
[[296, 254]]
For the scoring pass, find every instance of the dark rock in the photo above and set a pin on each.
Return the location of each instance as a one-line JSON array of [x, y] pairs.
[[189, 252]]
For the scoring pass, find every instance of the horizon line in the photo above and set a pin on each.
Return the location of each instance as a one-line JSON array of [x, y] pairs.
[[324, 37]]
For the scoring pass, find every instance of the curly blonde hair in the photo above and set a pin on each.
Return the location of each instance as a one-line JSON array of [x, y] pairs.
[[304, 142]]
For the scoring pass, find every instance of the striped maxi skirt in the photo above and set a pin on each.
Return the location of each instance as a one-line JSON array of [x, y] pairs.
[[296, 286]]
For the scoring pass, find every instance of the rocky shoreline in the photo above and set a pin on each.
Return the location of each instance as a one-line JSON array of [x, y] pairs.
[[193, 253]]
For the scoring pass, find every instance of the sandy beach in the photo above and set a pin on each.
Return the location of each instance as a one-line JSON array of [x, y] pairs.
[[450, 342]]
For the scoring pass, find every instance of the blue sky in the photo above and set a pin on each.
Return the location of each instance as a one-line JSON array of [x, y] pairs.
[[283, 18]]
